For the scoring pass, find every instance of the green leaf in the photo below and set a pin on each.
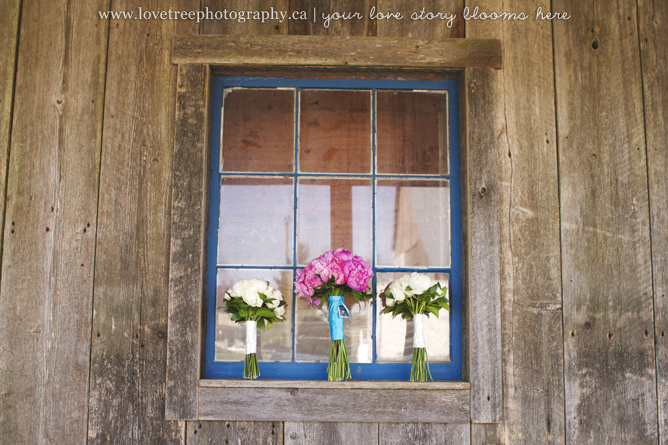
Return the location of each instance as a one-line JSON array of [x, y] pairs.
[[433, 310], [269, 324], [265, 312]]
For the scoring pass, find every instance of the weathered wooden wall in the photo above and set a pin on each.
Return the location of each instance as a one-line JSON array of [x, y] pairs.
[[580, 118]]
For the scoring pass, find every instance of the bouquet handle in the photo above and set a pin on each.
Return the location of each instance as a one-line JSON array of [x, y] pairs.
[[339, 368]]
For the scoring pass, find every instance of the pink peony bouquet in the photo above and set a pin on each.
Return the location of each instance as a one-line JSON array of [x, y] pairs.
[[330, 277], [333, 273]]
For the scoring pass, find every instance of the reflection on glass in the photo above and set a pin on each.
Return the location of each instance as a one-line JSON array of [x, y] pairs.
[[335, 131], [256, 221], [413, 223], [334, 213], [412, 132], [273, 345], [395, 335], [312, 340], [258, 130]]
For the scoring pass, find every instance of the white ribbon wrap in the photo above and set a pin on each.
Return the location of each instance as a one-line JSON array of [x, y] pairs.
[[251, 337], [418, 331]]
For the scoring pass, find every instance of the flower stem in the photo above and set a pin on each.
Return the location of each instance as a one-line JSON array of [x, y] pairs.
[[251, 368], [420, 365], [338, 368]]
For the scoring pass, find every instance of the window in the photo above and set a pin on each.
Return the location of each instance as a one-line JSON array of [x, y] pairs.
[[303, 165]]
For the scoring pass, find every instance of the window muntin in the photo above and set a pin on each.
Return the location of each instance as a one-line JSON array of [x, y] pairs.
[[321, 103]]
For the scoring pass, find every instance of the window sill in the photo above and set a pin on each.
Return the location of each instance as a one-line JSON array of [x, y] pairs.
[[359, 401]]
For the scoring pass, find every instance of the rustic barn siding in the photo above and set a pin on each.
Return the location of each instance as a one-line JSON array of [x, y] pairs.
[[127, 399], [610, 380], [581, 146], [524, 122], [652, 20], [51, 211]]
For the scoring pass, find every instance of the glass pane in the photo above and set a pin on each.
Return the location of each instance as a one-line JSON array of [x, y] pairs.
[[335, 131], [413, 223], [312, 340], [256, 221], [258, 131], [395, 335], [412, 131], [273, 345], [334, 213]]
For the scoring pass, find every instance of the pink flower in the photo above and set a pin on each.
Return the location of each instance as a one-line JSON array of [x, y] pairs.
[[358, 273], [343, 255], [336, 269], [320, 267], [301, 288], [312, 280]]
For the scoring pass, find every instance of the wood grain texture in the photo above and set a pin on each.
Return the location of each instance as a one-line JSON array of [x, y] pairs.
[[128, 359], [306, 433], [9, 29], [324, 384], [224, 433], [532, 339], [349, 52], [610, 380], [358, 24], [424, 434], [653, 18], [430, 29], [271, 26], [187, 268], [484, 306], [488, 433], [363, 405], [48, 258]]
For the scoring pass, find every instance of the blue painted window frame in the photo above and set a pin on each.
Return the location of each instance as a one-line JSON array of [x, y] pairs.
[[318, 371]]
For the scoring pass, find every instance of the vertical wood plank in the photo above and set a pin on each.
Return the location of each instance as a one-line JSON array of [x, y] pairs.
[[653, 17], [488, 433], [9, 29], [484, 304], [48, 259], [324, 433], [245, 27], [610, 379], [407, 27], [128, 359], [532, 349], [224, 433], [187, 271], [424, 433]]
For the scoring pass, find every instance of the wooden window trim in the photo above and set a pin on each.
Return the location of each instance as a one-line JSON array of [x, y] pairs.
[[479, 397]]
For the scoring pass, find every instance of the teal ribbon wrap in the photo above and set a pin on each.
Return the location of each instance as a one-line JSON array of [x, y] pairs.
[[336, 316]]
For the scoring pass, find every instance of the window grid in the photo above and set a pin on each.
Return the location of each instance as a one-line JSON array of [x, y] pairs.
[[213, 367]]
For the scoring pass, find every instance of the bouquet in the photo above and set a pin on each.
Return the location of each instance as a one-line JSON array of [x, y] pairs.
[[254, 301], [412, 296], [329, 277]]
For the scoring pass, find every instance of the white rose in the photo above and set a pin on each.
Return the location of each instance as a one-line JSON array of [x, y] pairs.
[[419, 283], [279, 311], [277, 296], [397, 290], [237, 289], [227, 296], [389, 302], [259, 284], [443, 291], [248, 292]]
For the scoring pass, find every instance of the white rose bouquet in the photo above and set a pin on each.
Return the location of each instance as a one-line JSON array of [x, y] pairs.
[[254, 301], [413, 296]]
